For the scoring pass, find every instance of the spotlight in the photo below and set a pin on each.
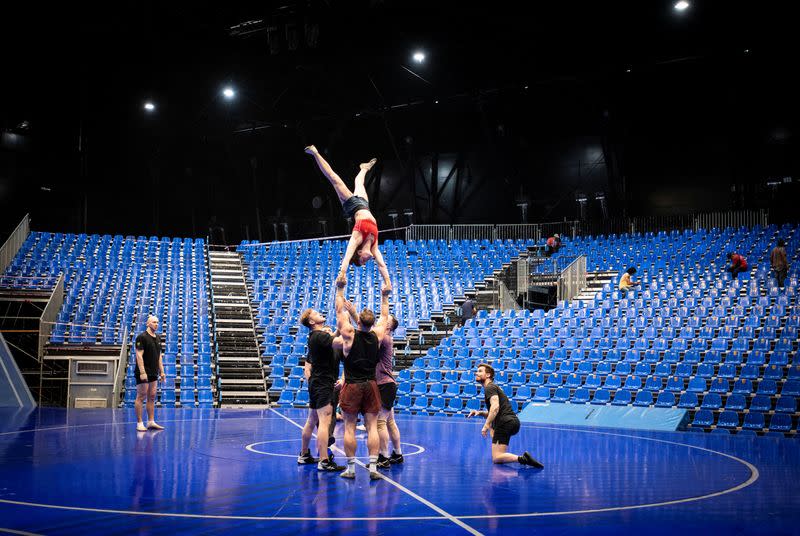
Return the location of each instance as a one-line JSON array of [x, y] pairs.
[[682, 5], [149, 106], [419, 57], [228, 93]]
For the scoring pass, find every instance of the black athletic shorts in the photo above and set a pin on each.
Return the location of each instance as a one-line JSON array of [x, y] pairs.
[[504, 430], [353, 205], [388, 392], [320, 394], [151, 377]]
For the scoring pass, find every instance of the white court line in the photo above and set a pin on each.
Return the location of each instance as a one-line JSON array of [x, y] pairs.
[[22, 532], [67, 426], [754, 475], [252, 448], [403, 489]]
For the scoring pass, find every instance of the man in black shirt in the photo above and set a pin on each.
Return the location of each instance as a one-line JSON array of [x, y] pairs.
[[501, 421], [360, 391], [321, 371], [467, 310], [149, 367]]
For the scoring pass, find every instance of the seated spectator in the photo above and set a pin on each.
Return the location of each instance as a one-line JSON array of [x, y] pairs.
[[738, 264], [553, 244], [626, 283]]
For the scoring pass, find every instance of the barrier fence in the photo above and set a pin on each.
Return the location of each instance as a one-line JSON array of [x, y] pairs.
[[567, 229]]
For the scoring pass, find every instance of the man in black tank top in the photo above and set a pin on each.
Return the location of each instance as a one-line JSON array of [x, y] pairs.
[[501, 420], [360, 391]]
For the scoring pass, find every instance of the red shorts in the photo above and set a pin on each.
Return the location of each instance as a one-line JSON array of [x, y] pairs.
[[366, 228], [360, 398]]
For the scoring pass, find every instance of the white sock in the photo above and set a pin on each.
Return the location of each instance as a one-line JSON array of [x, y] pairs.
[[351, 465], [373, 460], [385, 453], [399, 450]]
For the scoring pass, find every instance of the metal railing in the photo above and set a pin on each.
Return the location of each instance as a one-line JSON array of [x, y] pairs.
[[50, 314], [518, 231], [506, 299], [503, 231], [122, 367], [572, 279], [540, 231], [738, 218], [14, 242]]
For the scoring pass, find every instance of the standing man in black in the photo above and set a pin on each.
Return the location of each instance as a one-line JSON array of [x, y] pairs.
[[501, 421], [321, 370], [149, 368], [468, 310]]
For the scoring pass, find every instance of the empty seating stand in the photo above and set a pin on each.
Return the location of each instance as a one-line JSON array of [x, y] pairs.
[[112, 284]]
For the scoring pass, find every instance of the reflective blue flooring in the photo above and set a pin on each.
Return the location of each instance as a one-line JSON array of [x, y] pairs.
[[89, 471]]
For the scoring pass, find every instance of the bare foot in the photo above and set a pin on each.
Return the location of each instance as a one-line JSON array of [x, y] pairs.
[[311, 150], [368, 165]]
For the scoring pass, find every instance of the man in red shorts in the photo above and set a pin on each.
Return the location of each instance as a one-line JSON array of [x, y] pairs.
[[360, 391]]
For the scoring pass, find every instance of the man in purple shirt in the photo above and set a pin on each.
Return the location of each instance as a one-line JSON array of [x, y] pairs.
[[387, 386]]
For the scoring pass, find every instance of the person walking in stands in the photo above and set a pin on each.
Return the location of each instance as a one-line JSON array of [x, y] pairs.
[[738, 264], [501, 421], [777, 260], [149, 368], [552, 245], [468, 310], [626, 283]]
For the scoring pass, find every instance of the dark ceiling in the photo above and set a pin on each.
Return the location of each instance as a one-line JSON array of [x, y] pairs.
[[347, 57]]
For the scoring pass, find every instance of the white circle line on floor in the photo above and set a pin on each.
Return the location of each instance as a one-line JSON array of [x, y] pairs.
[[754, 475]]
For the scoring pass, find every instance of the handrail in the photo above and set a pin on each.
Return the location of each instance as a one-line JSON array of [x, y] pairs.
[[12, 246], [572, 279], [50, 314], [122, 365]]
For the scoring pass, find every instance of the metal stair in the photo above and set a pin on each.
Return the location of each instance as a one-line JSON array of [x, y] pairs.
[[240, 376], [594, 283]]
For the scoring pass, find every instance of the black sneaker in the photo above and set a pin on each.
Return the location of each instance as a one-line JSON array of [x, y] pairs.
[[330, 454], [527, 459], [329, 465], [383, 462], [396, 458], [306, 459]]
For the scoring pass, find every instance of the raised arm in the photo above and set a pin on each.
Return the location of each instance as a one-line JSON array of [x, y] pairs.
[[351, 310], [380, 325], [376, 252], [343, 325], [352, 246]]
